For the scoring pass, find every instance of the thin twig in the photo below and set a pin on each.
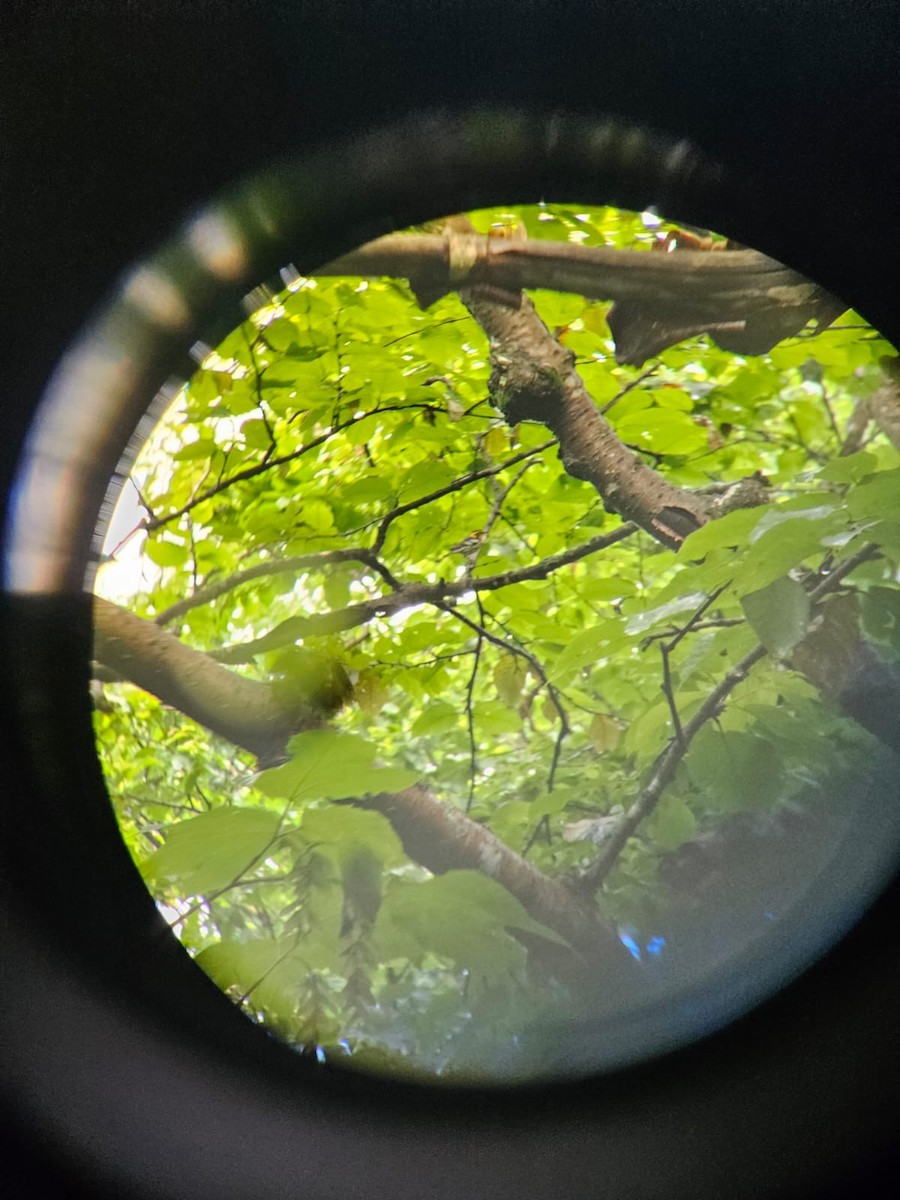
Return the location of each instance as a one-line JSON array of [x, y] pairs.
[[470, 714], [669, 693], [384, 523], [299, 562], [439, 594], [628, 388], [671, 756], [269, 463]]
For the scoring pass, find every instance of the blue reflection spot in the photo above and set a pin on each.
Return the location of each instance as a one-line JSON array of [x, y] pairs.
[[770, 916], [320, 1054], [655, 944], [630, 944]]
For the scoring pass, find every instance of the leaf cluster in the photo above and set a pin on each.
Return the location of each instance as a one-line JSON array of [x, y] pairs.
[[301, 499]]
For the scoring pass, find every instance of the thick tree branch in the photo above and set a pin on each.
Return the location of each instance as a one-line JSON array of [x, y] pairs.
[[534, 378], [744, 300], [244, 711], [443, 838], [833, 656], [848, 670], [247, 713]]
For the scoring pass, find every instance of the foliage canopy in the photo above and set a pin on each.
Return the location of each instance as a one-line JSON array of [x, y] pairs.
[[499, 765]]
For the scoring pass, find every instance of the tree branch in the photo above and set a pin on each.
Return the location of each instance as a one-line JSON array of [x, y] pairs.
[[838, 661], [294, 629], [745, 300], [247, 713], [534, 378], [244, 711], [442, 838]]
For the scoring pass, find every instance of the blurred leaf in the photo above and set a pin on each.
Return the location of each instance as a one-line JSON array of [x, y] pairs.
[[877, 496], [496, 441], [205, 853], [509, 678], [166, 553], [345, 829], [779, 614], [737, 770], [585, 648], [326, 765], [548, 804], [664, 431], [438, 717], [466, 917], [604, 733], [645, 620], [851, 469], [672, 824]]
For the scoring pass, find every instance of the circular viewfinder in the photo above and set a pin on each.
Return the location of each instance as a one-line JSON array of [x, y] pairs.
[[496, 641]]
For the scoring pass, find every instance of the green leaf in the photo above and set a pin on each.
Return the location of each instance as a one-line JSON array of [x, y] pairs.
[[644, 737], [731, 530], [851, 469], [779, 614], [662, 430], [364, 491], [346, 828], [737, 770], [317, 515], [509, 679], [790, 515], [643, 621], [494, 717], [876, 496], [194, 451], [786, 543], [166, 553], [672, 824], [290, 370], [333, 766], [585, 648], [256, 434], [548, 804], [467, 917], [604, 733], [438, 717], [269, 971], [205, 853]]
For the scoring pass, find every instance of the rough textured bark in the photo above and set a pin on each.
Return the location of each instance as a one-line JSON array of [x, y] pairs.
[[442, 839], [247, 713], [533, 378], [848, 670], [882, 407], [244, 711], [746, 301]]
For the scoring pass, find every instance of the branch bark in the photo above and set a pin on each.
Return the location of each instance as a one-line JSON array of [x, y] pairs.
[[882, 407], [245, 712], [533, 378], [746, 301], [442, 838]]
